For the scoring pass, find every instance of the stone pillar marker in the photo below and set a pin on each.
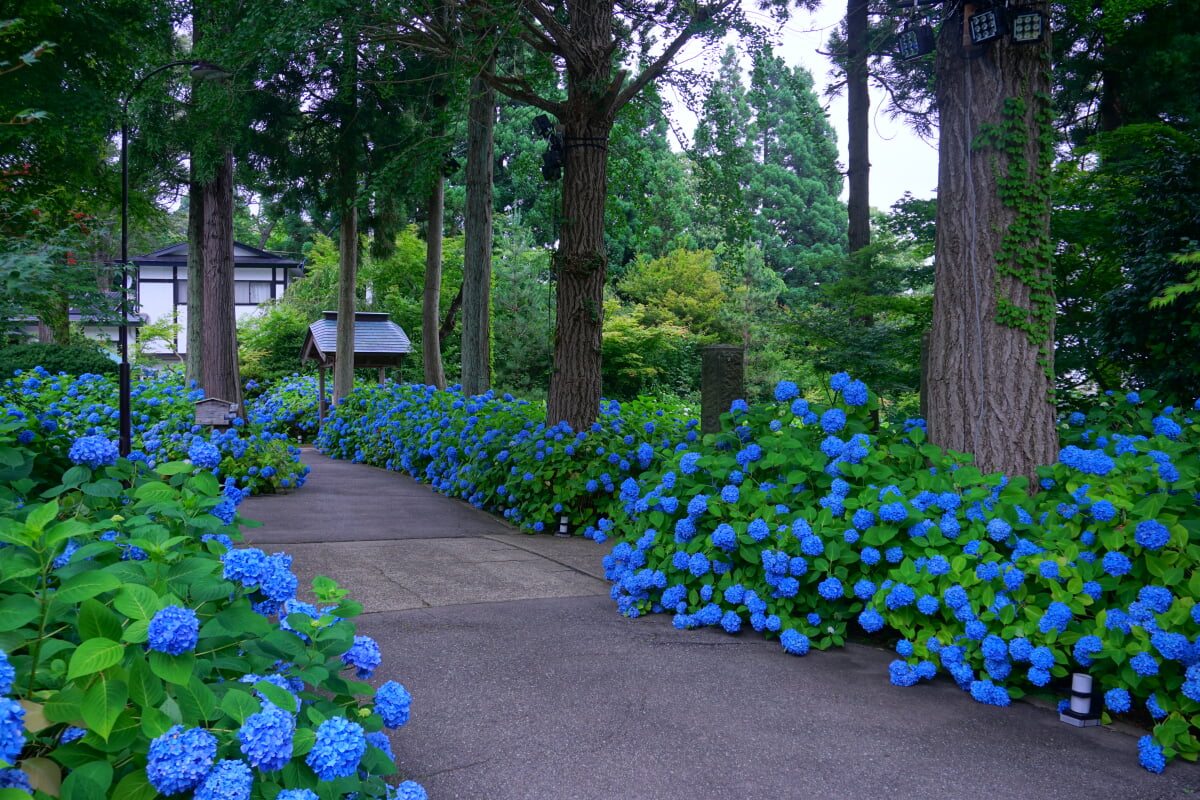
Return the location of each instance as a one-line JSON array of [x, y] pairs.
[[722, 380]]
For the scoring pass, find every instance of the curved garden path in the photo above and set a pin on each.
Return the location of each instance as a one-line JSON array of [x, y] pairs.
[[528, 685]]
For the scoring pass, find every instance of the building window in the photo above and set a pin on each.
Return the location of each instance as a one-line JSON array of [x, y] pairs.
[[251, 293], [245, 293]]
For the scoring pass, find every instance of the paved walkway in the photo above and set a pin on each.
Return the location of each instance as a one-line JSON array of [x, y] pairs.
[[527, 685]]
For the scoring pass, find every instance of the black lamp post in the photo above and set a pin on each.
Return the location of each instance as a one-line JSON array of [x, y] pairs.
[[199, 69]]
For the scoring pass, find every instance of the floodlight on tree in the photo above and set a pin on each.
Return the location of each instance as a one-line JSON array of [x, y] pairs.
[[914, 42], [542, 126], [1028, 26], [984, 26]]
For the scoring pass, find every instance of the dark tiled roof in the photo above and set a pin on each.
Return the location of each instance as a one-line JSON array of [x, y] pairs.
[[374, 335]]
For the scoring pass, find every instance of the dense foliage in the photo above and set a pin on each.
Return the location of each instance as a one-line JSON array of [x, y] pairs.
[[54, 410], [143, 653], [73, 359], [802, 521]]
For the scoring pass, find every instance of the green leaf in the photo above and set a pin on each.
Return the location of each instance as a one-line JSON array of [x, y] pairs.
[[64, 706], [173, 669], [240, 704], [105, 487], [155, 723], [278, 695], [197, 703], [85, 585], [173, 468], [303, 741], [103, 704], [97, 620], [88, 781], [41, 516], [17, 610], [137, 601], [75, 476], [135, 786], [145, 688], [155, 492], [93, 656], [65, 530]]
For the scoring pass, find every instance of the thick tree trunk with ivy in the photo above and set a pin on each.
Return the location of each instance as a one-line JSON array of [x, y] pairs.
[[431, 301], [218, 362], [991, 347], [477, 247]]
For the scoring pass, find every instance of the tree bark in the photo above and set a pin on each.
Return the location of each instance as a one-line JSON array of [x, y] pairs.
[[343, 368], [195, 278], [477, 247], [858, 119], [219, 365], [431, 347], [990, 383], [581, 263]]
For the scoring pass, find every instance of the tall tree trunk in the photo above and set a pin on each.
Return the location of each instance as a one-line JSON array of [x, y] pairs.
[[195, 278], [431, 348], [859, 104], [477, 247], [218, 366], [343, 369], [581, 263], [991, 345]]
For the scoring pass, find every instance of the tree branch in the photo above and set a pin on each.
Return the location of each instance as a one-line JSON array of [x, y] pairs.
[[518, 89], [554, 30]]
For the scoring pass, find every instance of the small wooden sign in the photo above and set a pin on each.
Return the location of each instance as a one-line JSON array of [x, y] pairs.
[[215, 411]]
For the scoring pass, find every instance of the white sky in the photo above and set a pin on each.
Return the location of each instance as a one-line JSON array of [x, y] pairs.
[[900, 160]]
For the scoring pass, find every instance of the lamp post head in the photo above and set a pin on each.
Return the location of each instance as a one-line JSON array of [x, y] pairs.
[[209, 72]]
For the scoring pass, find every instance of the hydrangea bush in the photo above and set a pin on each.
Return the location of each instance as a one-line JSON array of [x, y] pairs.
[[142, 653], [290, 406], [803, 522], [56, 411]]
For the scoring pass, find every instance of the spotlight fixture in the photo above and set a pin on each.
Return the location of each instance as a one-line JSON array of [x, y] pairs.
[[914, 42], [552, 159], [1028, 27], [542, 126], [984, 26]]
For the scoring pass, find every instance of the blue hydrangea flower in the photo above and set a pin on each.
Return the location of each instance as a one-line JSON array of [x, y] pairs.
[[174, 630], [339, 747], [687, 464], [7, 674], [229, 780], [927, 604], [1103, 511], [893, 512], [1157, 598], [731, 622], [407, 790], [758, 530], [180, 759], [266, 738], [864, 589], [870, 620], [839, 381], [1117, 700], [1144, 664], [392, 701], [830, 588], [94, 451], [785, 391], [730, 494], [12, 729], [794, 642], [833, 420], [1150, 754], [1151, 534], [855, 393], [15, 779], [901, 595], [364, 656], [1116, 564], [1086, 647], [204, 455], [1056, 617]]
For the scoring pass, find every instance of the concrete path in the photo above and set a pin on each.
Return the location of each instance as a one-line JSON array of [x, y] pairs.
[[527, 685]]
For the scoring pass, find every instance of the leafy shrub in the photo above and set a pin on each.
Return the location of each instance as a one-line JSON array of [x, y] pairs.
[[801, 522], [291, 405], [72, 359], [56, 409], [150, 656]]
